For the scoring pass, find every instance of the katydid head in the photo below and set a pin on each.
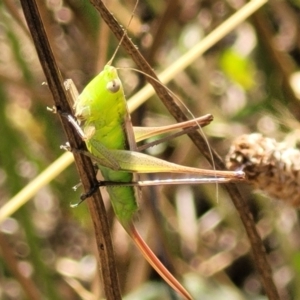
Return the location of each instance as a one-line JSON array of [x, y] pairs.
[[99, 96]]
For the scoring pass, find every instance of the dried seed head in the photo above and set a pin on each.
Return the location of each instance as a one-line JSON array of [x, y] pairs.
[[271, 167]]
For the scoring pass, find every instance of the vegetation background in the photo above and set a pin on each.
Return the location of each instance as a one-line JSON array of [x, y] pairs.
[[249, 81]]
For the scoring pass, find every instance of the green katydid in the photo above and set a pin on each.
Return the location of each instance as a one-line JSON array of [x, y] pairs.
[[110, 139], [111, 142]]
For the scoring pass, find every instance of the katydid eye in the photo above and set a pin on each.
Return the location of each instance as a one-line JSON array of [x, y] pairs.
[[114, 85]]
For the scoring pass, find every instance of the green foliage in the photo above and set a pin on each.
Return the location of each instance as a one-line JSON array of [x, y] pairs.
[[238, 68]]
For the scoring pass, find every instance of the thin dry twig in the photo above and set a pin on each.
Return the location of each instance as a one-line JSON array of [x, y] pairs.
[[83, 164], [160, 29], [240, 203]]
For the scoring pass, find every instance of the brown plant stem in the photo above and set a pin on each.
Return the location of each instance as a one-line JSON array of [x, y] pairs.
[[240, 203], [84, 165]]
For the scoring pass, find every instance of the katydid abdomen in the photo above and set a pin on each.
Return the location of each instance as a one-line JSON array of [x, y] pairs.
[[123, 198]]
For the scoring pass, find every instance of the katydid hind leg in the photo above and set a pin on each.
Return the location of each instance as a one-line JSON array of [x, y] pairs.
[[132, 161], [142, 133]]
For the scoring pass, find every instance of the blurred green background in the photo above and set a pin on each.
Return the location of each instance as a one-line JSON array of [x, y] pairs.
[[249, 81]]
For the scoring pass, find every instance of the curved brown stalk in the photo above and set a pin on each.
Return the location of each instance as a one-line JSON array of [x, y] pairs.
[[83, 163], [240, 203]]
